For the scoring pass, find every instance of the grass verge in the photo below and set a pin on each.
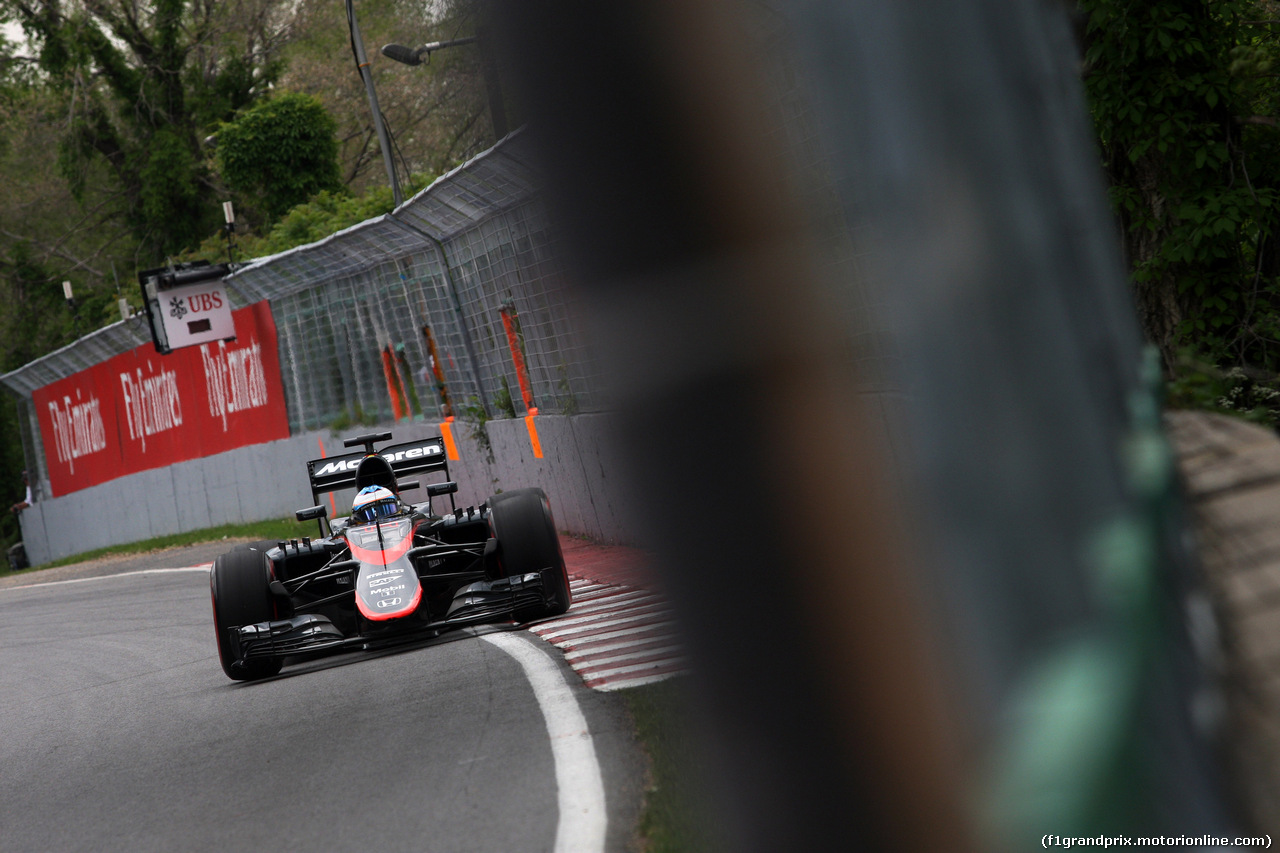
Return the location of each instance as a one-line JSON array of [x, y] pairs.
[[271, 529], [669, 822]]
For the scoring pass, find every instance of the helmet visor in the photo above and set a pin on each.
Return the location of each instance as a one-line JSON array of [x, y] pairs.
[[379, 509]]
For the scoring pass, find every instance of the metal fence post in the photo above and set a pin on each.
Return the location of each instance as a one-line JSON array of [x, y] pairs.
[[457, 307]]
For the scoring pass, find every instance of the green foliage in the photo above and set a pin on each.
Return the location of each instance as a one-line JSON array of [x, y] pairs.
[[1181, 97], [140, 87], [355, 415], [37, 320], [1237, 391], [278, 529], [214, 99], [502, 400], [476, 415], [170, 192], [11, 465], [437, 112], [280, 153], [327, 213], [568, 400], [104, 167], [674, 816]]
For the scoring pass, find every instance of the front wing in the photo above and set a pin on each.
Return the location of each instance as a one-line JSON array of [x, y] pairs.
[[475, 603]]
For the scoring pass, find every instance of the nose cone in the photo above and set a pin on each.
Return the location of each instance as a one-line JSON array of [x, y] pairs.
[[387, 586], [387, 591]]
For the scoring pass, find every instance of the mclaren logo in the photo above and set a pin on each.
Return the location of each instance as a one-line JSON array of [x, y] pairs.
[[340, 466]]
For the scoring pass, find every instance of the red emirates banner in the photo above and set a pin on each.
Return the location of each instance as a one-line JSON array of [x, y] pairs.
[[142, 410]]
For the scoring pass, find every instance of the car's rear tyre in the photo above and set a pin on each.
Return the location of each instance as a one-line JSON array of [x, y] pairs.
[[527, 542], [238, 584]]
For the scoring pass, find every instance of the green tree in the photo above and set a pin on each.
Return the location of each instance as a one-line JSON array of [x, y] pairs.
[[280, 153], [324, 214], [104, 112], [437, 113], [142, 86], [36, 321], [1181, 93]]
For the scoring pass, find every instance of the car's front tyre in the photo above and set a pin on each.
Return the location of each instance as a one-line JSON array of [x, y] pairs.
[[521, 522], [238, 584]]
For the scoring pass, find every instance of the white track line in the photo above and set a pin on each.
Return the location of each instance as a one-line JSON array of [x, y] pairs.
[[581, 828], [589, 588], [601, 613], [654, 617], [588, 663], [629, 645], [648, 666], [656, 630], [632, 598], [610, 686], [205, 568], [595, 592]]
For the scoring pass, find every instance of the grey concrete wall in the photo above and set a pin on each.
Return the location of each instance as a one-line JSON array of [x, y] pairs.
[[579, 472]]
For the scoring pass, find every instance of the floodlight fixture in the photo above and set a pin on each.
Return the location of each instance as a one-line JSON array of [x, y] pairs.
[[413, 56]]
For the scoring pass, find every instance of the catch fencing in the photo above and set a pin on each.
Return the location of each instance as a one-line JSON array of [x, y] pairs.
[[454, 304], [431, 310]]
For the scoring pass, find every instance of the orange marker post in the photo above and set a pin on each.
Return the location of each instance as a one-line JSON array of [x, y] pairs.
[[438, 372], [533, 433], [389, 371], [450, 446], [517, 358]]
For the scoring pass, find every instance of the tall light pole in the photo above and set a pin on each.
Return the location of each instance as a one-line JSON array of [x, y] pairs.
[[492, 83], [362, 62]]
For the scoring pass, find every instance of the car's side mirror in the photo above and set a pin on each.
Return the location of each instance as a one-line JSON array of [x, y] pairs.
[[312, 512], [435, 490], [406, 485]]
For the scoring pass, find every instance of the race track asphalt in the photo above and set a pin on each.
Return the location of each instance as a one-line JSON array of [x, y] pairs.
[[119, 731]]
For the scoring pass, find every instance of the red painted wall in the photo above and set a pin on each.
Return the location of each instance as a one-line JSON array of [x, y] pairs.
[[142, 410]]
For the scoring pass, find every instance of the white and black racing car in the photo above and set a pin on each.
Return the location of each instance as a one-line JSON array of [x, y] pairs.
[[391, 570]]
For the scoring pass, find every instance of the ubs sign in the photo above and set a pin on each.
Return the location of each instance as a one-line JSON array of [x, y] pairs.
[[187, 305]]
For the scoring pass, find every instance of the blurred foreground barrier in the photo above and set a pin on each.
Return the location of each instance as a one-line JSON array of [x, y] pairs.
[[934, 583]]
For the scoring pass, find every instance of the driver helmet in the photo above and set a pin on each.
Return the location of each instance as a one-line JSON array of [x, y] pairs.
[[374, 502]]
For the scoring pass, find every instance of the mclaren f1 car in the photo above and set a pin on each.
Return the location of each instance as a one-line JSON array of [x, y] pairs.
[[391, 571]]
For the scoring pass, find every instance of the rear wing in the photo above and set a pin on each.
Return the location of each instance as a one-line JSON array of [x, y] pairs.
[[411, 457]]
